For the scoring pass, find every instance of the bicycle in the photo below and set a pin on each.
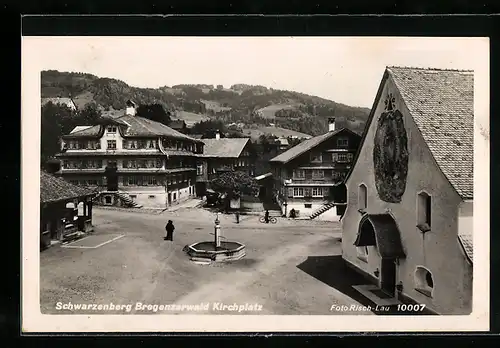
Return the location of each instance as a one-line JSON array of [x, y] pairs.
[[272, 219]]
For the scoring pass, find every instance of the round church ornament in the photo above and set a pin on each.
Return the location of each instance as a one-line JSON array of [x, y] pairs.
[[390, 153]]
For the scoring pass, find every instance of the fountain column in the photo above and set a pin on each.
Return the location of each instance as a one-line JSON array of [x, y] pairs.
[[217, 231]]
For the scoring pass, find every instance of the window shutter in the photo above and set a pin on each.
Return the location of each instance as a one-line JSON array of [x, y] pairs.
[[290, 192]]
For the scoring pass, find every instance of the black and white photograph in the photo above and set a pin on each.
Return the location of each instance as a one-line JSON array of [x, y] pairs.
[[255, 183]]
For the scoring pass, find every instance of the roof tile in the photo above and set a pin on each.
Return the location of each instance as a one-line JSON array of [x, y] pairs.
[[442, 105]]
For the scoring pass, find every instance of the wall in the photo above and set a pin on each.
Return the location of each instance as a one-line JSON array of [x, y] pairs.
[[438, 250], [111, 136], [465, 218], [143, 194]]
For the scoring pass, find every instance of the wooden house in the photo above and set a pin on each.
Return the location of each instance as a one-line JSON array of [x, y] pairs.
[[309, 176]]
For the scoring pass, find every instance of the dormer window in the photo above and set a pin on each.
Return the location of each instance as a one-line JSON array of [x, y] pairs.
[[111, 129]]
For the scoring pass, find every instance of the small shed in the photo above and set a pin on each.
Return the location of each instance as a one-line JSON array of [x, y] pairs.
[[65, 210]]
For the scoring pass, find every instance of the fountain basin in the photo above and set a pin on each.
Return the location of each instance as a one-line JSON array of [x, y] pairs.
[[206, 251]]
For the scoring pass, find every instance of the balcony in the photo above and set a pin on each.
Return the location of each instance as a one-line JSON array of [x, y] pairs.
[[80, 170]]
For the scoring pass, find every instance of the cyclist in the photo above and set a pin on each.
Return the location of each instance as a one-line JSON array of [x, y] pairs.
[[266, 217]]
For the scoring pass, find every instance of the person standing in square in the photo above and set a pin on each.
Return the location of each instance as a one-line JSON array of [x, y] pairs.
[[170, 231]]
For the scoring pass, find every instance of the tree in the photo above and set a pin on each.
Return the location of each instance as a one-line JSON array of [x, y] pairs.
[[90, 115], [293, 141], [58, 120], [55, 121], [209, 128], [154, 112], [234, 184]]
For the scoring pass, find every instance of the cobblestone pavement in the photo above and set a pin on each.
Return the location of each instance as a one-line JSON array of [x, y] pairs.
[[276, 272]]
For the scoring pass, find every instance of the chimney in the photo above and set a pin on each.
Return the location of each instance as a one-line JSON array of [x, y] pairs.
[[217, 134], [331, 124]]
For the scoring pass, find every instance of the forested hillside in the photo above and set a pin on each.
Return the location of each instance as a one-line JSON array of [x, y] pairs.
[[241, 103]]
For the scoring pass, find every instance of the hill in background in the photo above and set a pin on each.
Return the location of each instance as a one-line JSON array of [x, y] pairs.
[[251, 105]]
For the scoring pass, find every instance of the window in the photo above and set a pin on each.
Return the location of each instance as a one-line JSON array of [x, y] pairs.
[[298, 192], [342, 158], [112, 144], [424, 282], [150, 180], [342, 142], [317, 192], [308, 205], [74, 182], [199, 169], [129, 164], [107, 199], [299, 174], [142, 163], [174, 179], [362, 253], [151, 196], [316, 157], [350, 157], [174, 196], [131, 180], [132, 144], [424, 206], [152, 144], [111, 129], [362, 197], [318, 174]]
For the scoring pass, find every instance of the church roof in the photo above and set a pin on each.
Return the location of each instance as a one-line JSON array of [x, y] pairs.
[[441, 103]]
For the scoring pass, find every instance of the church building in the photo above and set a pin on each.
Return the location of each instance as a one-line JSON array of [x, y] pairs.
[[408, 222]]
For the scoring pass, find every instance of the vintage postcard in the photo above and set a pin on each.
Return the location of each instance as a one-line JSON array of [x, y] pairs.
[[255, 184]]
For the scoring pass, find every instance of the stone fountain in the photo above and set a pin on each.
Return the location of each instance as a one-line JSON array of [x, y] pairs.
[[216, 250]]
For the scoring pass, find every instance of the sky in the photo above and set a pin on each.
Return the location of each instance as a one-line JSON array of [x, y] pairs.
[[342, 69]]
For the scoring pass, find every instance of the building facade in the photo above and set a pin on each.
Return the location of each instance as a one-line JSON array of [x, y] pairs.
[[308, 177], [408, 223], [131, 161], [222, 154]]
